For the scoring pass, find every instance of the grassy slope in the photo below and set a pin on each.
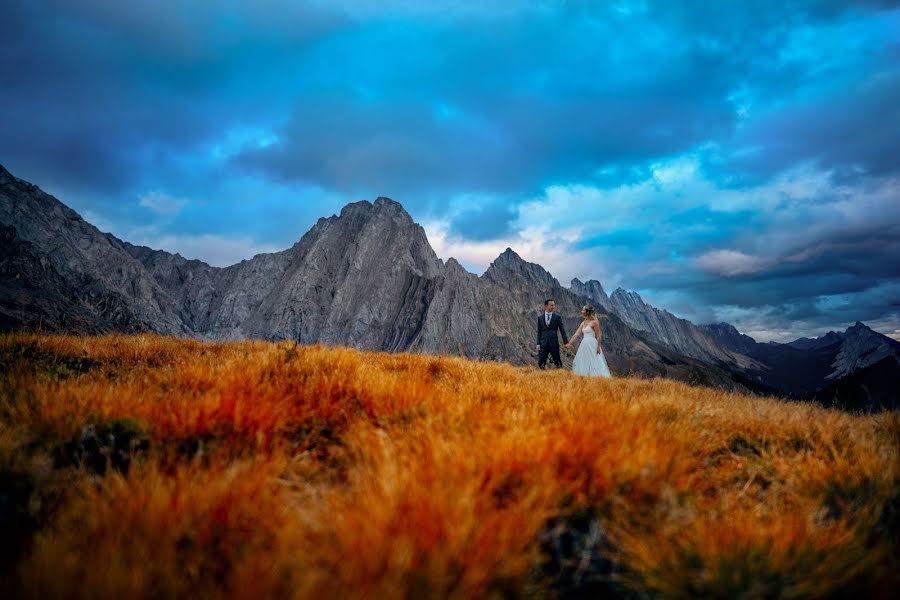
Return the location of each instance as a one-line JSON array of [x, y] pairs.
[[273, 469]]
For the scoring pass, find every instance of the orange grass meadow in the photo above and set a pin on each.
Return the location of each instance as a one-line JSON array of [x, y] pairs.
[[258, 469]]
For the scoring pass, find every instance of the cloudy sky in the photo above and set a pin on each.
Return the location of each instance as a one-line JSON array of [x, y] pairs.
[[733, 161]]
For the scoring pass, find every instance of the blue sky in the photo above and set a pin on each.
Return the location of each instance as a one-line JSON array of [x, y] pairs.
[[733, 161]]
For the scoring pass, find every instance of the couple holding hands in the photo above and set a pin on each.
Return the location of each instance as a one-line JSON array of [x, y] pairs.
[[589, 359]]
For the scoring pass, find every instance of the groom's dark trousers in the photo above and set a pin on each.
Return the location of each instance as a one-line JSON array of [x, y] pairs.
[[547, 340]]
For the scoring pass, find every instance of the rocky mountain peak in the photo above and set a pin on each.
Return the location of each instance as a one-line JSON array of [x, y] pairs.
[[360, 207], [860, 332], [509, 256], [862, 347], [592, 285], [724, 328], [859, 328], [729, 336], [509, 268], [624, 297], [593, 290], [29, 197], [453, 265], [805, 343], [387, 202], [76, 270], [7, 178], [356, 216]]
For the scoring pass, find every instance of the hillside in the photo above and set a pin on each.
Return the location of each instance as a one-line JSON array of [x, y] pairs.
[[151, 466]]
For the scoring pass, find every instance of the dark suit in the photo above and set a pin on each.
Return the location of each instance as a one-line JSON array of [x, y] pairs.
[[547, 340]]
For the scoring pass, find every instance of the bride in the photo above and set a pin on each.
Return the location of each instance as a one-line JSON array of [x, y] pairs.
[[589, 359]]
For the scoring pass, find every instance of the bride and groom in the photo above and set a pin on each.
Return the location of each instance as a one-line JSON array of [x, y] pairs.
[[589, 359]]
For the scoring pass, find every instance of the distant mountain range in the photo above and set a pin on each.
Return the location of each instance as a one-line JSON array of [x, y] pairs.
[[858, 369], [368, 278]]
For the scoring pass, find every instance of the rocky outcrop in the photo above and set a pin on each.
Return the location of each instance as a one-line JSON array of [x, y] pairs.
[[679, 334], [860, 348], [593, 290], [60, 268], [38, 293], [829, 339], [364, 278], [727, 336]]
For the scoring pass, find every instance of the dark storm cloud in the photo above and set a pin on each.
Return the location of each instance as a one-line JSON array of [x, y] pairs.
[[852, 134], [351, 146], [99, 95], [836, 274], [484, 220], [259, 117], [412, 105], [542, 105]]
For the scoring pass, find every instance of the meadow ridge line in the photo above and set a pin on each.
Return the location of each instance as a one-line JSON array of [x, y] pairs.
[[241, 469]]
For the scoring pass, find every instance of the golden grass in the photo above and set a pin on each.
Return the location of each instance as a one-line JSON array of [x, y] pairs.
[[276, 470]]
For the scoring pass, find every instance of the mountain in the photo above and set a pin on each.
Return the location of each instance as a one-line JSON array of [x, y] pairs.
[[782, 368], [868, 389], [804, 368], [37, 293], [364, 278], [860, 348], [728, 336], [856, 369], [592, 290], [812, 343], [367, 278], [662, 326], [61, 273]]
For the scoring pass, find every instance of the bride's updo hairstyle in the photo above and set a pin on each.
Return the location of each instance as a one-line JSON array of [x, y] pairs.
[[591, 313]]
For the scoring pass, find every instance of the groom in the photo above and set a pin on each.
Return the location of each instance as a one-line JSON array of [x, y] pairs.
[[547, 342]]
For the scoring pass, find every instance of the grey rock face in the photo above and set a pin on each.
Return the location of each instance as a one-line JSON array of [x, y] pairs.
[[592, 290], [365, 278], [728, 336], [37, 293], [679, 334], [61, 253], [862, 347]]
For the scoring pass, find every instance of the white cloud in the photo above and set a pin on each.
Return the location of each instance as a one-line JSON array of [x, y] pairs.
[[541, 245], [729, 263], [162, 203], [763, 325], [701, 234]]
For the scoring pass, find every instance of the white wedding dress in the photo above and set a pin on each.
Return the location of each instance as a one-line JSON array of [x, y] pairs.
[[587, 360]]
